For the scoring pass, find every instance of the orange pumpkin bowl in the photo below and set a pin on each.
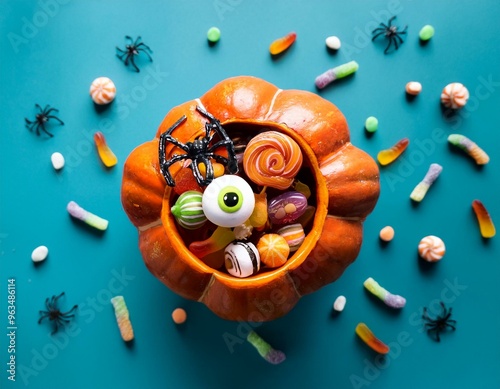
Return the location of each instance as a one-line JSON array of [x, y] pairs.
[[345, 187]]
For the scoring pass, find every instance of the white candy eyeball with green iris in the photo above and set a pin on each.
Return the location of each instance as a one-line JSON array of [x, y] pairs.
[[228, 201]]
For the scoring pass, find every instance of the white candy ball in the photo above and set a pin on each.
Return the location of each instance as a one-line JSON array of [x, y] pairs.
[[339, 303], [39, 254], [57, 160], [333, 42], [241, 259], [102, 90]]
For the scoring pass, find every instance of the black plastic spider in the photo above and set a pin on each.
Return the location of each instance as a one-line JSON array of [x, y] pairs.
[[54, 314], [391, 33], [440, 323], [41, 118], [198, 151], [131, 50]]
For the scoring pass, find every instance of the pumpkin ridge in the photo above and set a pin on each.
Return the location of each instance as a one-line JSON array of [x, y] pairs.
[[271, 107], [207, 288], [290, 278], [146, 227]]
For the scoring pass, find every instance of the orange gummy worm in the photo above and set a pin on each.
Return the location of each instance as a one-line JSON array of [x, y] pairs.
[[388, 156], [369, 338], [108, 158], [281, 44], [486, 226]]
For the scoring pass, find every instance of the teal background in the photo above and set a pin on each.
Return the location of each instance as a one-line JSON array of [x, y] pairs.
[[72, 43]]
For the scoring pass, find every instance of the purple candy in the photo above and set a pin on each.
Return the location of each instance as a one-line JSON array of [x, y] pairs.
[[287, 207]]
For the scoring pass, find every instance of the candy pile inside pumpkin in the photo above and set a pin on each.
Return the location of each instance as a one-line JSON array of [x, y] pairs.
[[326, 188]]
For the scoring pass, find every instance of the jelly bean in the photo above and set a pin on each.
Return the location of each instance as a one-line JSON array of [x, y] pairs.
[[286, 207], [57, 160], [265, 350], [421, 189], [339, 303], [228, 201], [102, 90], [413, 88], [258, 218], [187, 210], [431, 248], [472, 149], [454, 95], [272, 159], [39, 254], [387, 234], [241, 259], [426, 32], [213, 34], [336, 73], [370, 339], [273, 250], [221, 237], [179, 316], [293, 234], [333, 42], [122, 318], [391, 300], [486, 226], [371, 124], [388, 156], [88, 218], [282, 44], [107, 156]]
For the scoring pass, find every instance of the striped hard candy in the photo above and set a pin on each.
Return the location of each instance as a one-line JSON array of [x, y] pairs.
[[431, 248], [293, 234], [273, 250], [102, 90], [188, 211]]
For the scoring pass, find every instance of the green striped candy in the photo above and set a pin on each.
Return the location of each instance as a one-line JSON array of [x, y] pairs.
[[188, 211]]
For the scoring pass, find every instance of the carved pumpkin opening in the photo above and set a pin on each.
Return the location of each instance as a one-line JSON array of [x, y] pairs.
[[309, 174]]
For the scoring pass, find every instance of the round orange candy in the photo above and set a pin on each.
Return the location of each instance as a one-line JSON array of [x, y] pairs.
[[273, 250], [179, 316]]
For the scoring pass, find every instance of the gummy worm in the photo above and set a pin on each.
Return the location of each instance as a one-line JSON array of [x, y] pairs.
[[392, 300], [478, 154], [370, 339], [421, 189], [122, 318], [265, 350], [88, 218], [336, 73]]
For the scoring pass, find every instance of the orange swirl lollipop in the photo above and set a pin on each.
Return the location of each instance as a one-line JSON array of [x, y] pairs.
[[272, 159]]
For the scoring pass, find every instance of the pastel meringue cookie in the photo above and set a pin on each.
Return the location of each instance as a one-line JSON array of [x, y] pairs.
[[102, 90], [431, 248], [454, 95]]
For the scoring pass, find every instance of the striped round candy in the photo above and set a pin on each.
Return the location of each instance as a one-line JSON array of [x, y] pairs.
[[273, 250], [102, 90], [188, 211], [241, 259], [431, 248], [454, 95], [293, 234]]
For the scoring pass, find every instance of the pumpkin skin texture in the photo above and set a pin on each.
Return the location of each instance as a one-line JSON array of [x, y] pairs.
[[346, 191]]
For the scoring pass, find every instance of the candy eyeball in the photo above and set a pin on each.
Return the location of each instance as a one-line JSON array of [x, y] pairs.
[[241, 259], [228, 201]]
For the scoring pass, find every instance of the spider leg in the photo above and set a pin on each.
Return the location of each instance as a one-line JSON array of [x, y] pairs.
[[448, 325], [197, 174], [376, 36], [137, 41], [390, 20], [50, 110], [397, 37], [44, 314], [55, 118], [396, 41], [145, 52], [29, 124], [129, 38], [120, 50], [389, 45], [205, 113], [38, 107], [164, 166], [378, 30], [68, 314], [133, 63]]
